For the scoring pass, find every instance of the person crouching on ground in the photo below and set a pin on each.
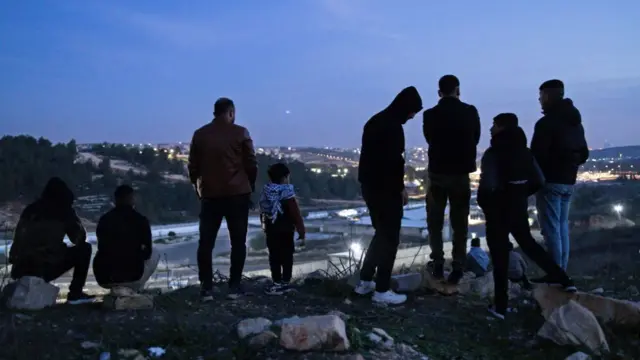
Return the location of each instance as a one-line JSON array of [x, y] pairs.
[[280, 217], [477, 259], [38, 245], [509, 175], [125, 258]]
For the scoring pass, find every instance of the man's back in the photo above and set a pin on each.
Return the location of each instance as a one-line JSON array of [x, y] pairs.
[[40, 233], [222, 157], [452, 130], [559, 143], [124, 231]]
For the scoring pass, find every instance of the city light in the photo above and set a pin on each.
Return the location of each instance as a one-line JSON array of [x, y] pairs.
[[618, 208], [474, 235]]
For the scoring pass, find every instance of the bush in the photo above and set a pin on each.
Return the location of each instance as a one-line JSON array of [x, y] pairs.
[[171, 234], [258, 241]]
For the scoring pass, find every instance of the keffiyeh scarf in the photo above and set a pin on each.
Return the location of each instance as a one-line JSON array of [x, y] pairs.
[[271, 199]]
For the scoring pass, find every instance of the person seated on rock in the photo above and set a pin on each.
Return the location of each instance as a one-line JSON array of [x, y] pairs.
[[509, 175], [280, 216], [38, 247], [477, 259], [125, 257], [518, 268]]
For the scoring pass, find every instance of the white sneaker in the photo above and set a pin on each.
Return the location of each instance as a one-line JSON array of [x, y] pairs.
[[389, 297], [365, 287]]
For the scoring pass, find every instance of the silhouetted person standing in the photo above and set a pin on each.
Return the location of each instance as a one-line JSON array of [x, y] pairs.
[[560, 147], [381, 174], [38, 247], [125, 257], [452, 130], [223, 167], [509, 176]]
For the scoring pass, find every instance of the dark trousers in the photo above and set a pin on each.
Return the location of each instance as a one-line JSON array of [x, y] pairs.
[[77, 257], [235, 210], [507, 214], [281, 247], [386, 212], [456, 190]]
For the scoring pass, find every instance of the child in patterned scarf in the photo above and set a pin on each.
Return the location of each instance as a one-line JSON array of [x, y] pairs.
[[280, 216]]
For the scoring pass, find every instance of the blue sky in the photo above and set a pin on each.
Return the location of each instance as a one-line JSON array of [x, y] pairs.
[[149, 71]]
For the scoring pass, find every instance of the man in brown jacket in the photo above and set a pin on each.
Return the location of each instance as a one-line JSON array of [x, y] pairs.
[[223, 168]]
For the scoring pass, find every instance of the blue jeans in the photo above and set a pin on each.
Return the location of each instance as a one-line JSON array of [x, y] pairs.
[[553, 203]]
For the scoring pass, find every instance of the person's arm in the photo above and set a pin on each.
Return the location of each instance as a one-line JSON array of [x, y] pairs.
[[145, 238], [74, 228], [584, 150], [426, 126], [249, 159], [475, 123], [489, 177], [536, 179], [294, 210], [194, 159], [541, 143]]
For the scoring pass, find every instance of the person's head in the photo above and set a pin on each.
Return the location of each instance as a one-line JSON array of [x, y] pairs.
[[503, 121], [279, 173], [449, 86], [123, 195], [475, 242], [406, 104], [551, 91], [224, 110], [57, 193]]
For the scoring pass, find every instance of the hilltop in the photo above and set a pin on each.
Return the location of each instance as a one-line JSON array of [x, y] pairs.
[[439, 327]]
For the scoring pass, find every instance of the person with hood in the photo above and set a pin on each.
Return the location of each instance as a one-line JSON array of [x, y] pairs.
[[125, 257], [280, 217], [452, 131], [38, 247], [381, 175], [560, 147], [509, 175], [223, 169]]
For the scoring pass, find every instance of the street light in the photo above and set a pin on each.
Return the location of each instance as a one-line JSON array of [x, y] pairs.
[[356, 248], [617, 208]]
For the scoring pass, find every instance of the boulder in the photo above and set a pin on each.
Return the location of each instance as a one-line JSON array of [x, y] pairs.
[[406, 282], [324, 332], [607, 309], [31, 293], [438, 285], [252, 326], [130, 302], [573, 324], [469, 284], [263, 339]]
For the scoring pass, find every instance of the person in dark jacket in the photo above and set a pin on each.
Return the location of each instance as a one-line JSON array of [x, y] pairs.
[[38, 247], [223, 169], [280, 217], [125, 257], [381, 175], [452, 130], [509, 176], [560, 147]]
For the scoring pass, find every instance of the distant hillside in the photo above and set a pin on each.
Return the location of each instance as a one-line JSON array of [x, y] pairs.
[[631, 151]]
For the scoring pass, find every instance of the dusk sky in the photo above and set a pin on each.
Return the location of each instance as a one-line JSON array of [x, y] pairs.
[[307, 72]]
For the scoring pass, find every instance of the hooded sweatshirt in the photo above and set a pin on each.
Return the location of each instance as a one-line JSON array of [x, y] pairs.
[[559, 143], [381, 167], [43, 225], [508, 168]]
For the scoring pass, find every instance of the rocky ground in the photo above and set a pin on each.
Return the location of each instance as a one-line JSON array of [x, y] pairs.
[[429, 325]]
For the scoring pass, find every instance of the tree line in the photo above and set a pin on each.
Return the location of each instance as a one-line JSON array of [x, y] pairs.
[[26, 163]]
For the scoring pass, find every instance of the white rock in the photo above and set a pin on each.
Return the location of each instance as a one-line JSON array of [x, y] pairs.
[[89, 345], [325, 332], [406, 282], [286, 320], [598, 291], [573, 324], [262, 339], [252, 326], [578, 356], [385, 341], [135, 302], [32, 293], [156, 351], [340, 314]]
